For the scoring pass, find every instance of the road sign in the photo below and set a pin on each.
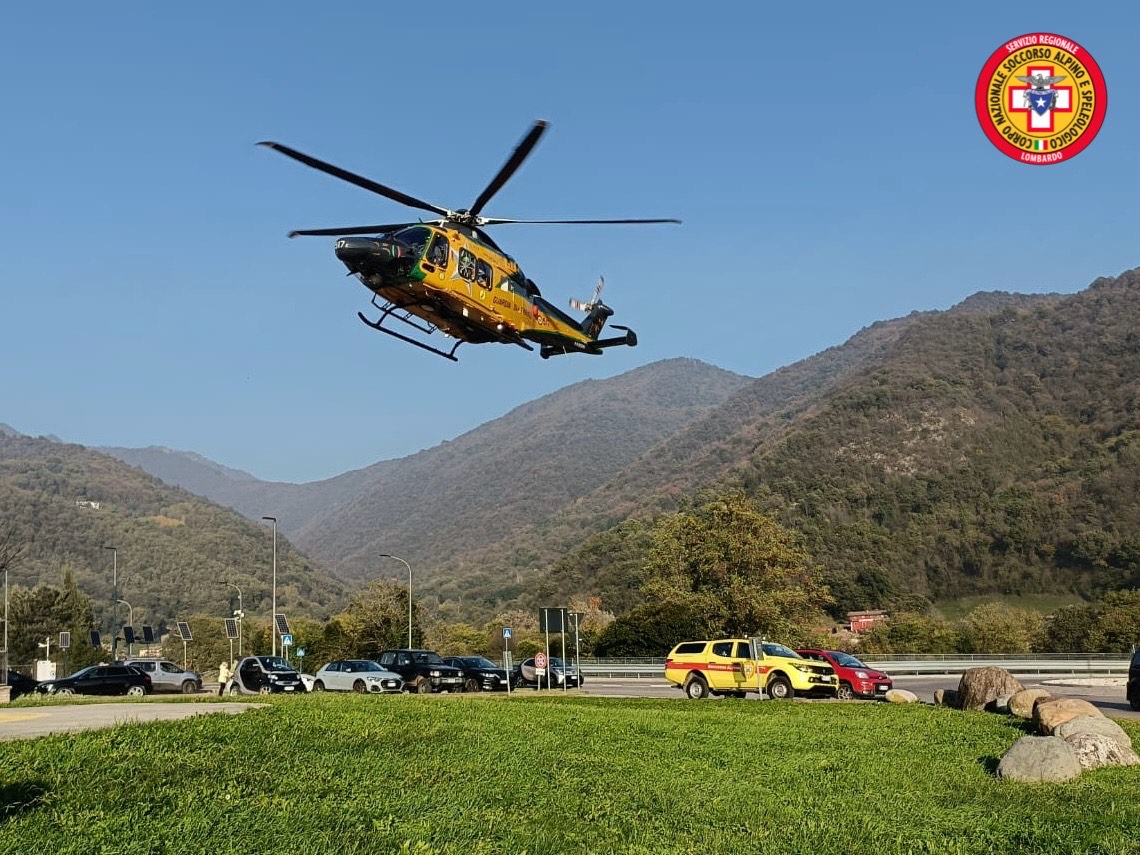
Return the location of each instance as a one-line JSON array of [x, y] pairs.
[[287, 639], [301, 652], [506, 633], [540, 664]]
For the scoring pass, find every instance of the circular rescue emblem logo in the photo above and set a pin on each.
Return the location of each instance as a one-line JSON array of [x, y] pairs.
[[1041, 98]]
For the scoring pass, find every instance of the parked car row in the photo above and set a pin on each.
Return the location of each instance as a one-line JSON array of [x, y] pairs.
[[393, 671]]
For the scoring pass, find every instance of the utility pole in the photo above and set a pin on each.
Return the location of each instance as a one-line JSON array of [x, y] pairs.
[[273, 616]]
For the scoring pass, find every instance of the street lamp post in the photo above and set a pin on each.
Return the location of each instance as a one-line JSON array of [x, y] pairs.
[[273, 617], [114, 593], [239, 614], [130, 623], [409, 566]]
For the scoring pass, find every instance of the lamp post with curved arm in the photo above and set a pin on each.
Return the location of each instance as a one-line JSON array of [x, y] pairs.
[[239, 614], [114, 590], [131, 624], [409, 566]]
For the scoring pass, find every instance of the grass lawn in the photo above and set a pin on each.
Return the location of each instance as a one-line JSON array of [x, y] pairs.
[[477, 774]]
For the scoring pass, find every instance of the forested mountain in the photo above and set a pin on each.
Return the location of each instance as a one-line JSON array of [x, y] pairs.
[[176, 552], [991, 448], [476, 489], [994, 447]]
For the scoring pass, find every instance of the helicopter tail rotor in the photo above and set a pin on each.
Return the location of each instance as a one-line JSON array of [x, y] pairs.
[[594, 300]]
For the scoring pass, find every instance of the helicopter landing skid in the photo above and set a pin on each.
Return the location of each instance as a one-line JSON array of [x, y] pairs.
[[379, 326]]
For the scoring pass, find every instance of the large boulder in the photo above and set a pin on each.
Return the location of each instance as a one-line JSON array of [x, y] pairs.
[[1051, 713], [1021, 704], [1094, 724], [1037, 759], [1094, 750], [981, 686], [901, 696]]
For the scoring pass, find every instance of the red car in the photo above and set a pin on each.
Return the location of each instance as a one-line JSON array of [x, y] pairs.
[[856, 680]]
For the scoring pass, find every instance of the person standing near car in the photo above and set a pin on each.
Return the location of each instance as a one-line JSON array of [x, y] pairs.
[[224, 674]]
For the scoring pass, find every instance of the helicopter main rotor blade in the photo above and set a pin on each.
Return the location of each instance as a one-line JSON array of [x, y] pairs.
[[352, 230], [490, 221], [353, 178], [513, 162]]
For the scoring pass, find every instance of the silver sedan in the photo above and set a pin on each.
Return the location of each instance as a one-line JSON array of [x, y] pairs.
[[356, 675]]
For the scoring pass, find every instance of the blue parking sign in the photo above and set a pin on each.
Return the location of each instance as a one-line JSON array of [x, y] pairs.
[[506, 633]]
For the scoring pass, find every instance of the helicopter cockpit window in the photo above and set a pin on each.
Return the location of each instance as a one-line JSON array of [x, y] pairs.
[[467, 265], [482, 273], [440, 251], [415, 238]]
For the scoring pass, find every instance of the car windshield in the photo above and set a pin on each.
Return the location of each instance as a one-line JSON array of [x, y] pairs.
[[426, 657], [365, 665], [477, 662], [779, 650], [847, 660], [274, 663]]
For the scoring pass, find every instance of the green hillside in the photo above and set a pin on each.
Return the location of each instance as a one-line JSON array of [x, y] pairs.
[[176, 552], [994, 448]]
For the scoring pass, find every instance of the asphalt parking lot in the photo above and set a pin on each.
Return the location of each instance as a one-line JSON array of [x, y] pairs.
[[1106, 693], [30, 722]]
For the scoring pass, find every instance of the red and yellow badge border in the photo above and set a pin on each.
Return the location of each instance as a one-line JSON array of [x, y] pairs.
[[1055, 45]]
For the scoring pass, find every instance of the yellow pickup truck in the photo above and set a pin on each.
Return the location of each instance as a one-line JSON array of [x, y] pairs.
[[736, 666]]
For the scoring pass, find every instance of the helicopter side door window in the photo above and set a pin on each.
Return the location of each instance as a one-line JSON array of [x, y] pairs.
[[482, 273], [440, 251], [467, 265]]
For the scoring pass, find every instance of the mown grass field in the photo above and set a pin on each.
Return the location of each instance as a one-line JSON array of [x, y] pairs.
[[481, 774]]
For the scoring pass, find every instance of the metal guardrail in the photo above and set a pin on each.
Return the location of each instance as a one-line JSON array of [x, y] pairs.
[[907, 664]]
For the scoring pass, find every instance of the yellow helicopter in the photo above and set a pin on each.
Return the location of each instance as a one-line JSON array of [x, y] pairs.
[[447, 275]]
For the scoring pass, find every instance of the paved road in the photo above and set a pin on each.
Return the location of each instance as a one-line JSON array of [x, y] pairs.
[[29, 722], [1109, 699]]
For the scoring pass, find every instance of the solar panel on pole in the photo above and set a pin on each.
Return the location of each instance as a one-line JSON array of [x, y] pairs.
[[184, 631], [148, 634], [129, 634], [282, 624], [231, 628], [96, 642], [64, 640]]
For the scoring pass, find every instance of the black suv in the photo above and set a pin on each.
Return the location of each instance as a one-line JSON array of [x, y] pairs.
[[480, 673], [1133, 690], [100, 680], [423, 671]]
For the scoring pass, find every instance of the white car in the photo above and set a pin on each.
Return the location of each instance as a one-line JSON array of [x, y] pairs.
[[356, 675]]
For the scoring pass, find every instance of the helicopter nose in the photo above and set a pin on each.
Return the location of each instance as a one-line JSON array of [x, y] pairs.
[[350, 249]]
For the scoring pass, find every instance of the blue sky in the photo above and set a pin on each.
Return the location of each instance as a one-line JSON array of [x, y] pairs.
[[825, 159]]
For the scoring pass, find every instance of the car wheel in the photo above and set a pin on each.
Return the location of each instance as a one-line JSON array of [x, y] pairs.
[[189, 687], [235, 689], [65, 690], [358, 687], [264, 690], [423, 686], [696, 687], [136, 691], [845, 693], [318, 686], [471, 685], [779, 689]]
